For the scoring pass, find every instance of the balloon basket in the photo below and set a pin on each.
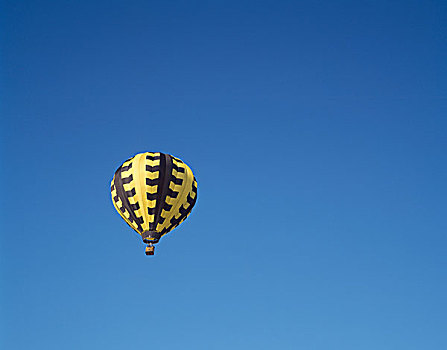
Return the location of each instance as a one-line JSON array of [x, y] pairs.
[[150, 250]]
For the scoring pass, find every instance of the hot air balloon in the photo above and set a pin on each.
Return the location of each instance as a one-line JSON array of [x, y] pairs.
[[154, 193]]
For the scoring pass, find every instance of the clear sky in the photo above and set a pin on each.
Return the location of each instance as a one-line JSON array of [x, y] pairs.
[[317, 133]]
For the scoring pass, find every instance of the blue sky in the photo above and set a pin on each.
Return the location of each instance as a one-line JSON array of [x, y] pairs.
[[316, 131]]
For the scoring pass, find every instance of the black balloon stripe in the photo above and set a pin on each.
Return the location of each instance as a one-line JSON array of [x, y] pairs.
[[172, 194], [174, 221], [177, 168], [149, 157], [126, 168], [151, 182], [151, 196], [131, 193], [167, 207], [135, 206], [190, 199], [128, 179], [176, 180], [183, 210], [152, 168]]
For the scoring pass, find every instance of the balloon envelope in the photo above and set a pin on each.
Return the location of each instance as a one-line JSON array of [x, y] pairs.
[[154, 193]]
